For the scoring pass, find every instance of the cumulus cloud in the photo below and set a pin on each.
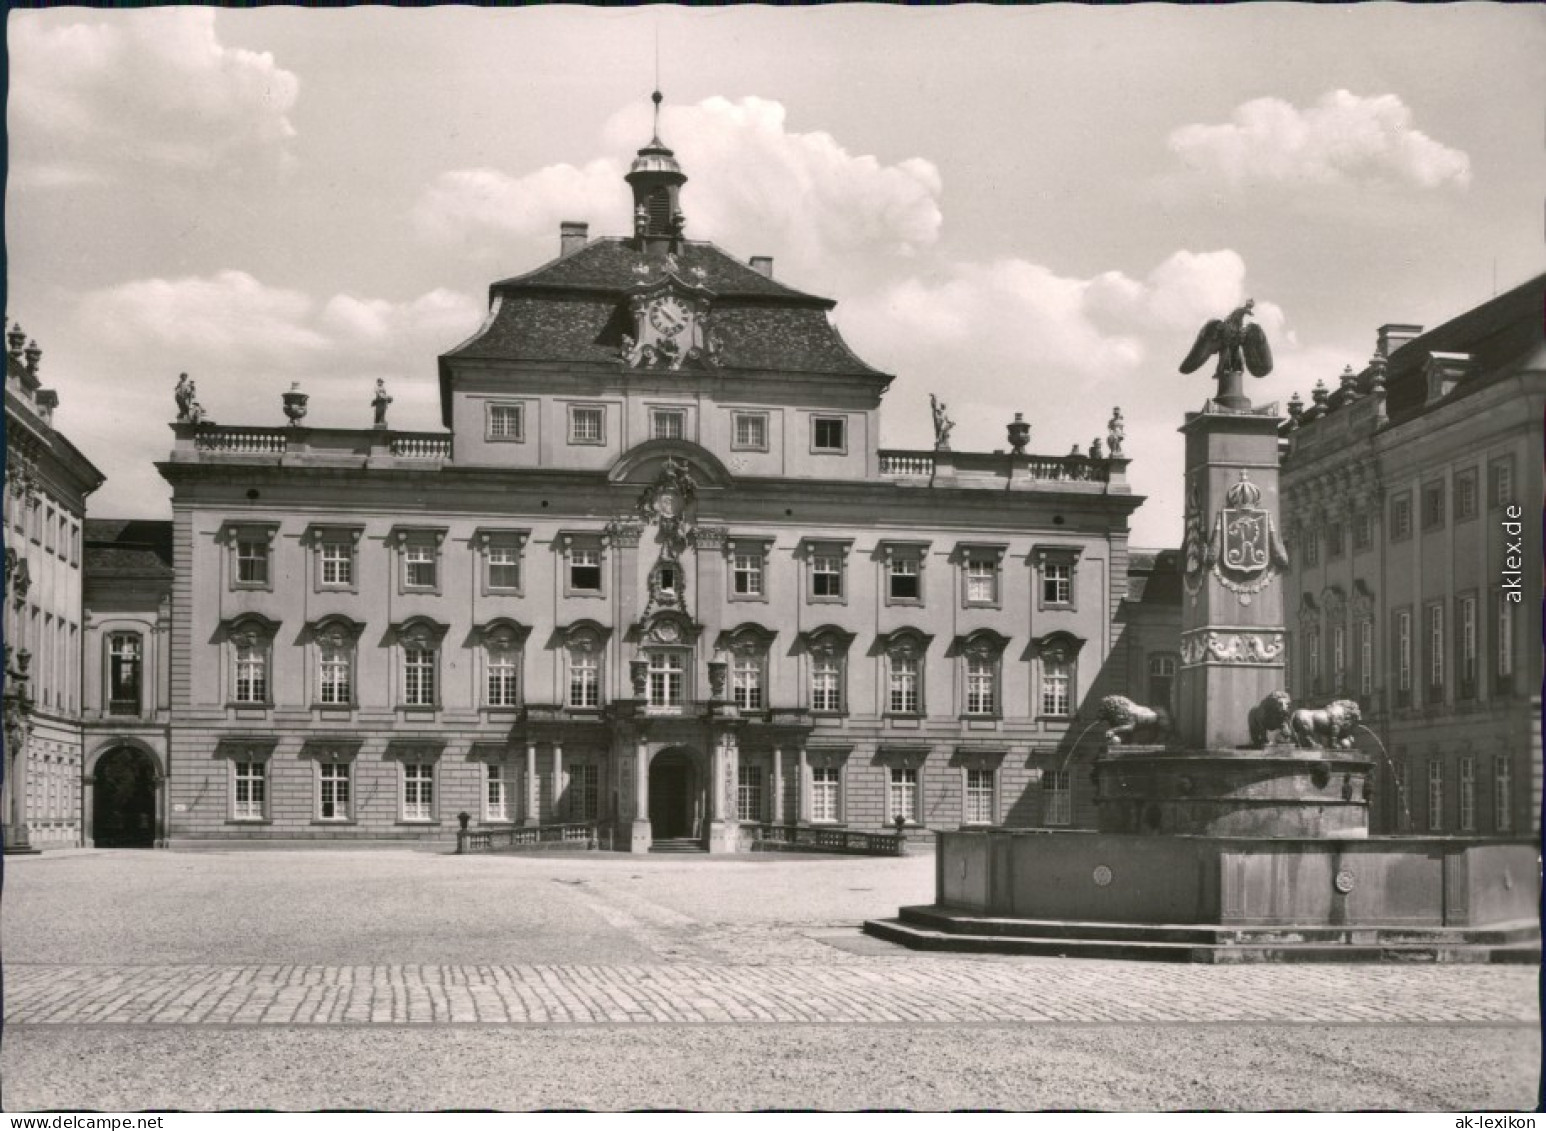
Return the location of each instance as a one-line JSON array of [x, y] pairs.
[[247, 338], [1343, 137], [746, 168], [156, 87]]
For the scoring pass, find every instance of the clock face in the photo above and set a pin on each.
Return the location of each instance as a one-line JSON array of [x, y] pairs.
[[669, 316]]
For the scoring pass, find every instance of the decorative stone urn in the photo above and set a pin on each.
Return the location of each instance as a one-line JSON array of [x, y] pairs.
[[1019, 434], [295, 404]]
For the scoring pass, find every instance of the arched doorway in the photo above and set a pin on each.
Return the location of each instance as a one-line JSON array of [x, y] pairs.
[[124, 802], [674, 800]]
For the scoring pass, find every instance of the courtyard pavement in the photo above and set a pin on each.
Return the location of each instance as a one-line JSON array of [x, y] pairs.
[[394, 979]]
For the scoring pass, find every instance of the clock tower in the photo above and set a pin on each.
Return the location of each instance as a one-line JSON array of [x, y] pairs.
[[657, 180]]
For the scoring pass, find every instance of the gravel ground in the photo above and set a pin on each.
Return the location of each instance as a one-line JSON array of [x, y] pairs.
[[729, 1067]]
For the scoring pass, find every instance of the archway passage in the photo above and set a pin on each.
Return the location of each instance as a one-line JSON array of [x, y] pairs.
[[124, 806], [673, 797]]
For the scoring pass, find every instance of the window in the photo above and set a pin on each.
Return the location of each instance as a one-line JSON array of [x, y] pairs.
[[496, 802], [1465, 495], [903, 796], [587, 424], [749, 432], [1403, 659], [1057, 583], [1467, 610], [420, 644], [1366, 657], [584, 791], [1363, 530], [827, 575], [903, 580], [1435, 653], [906, 682], [584, 569], [1057, 675], [1433, 505], [1312, 547], [335, 664], [1468, 794], [668, 423], [748, 794], [982, 683], [418, 791], [665, 674], [333, 791], [981, 582], [1401, 516], [501, 552], [1502, 791], [337, 560], [827, 683], [1056, 798], [250, 802], [507, 422], [584, 679], [123, 673], [1501, 491], [746, 680], [1334, 540], [1338, 658], [1435, 795], [1312, 655], [1505, 654], [829, 434], [1162, 680], [502, 686], [419, 566], [979, 797], [252, 563], [746, 573], [251, 668], [824, 796]]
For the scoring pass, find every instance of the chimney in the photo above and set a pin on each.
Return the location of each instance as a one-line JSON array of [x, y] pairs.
[[763, 265], [1394, 335], [572, 236]]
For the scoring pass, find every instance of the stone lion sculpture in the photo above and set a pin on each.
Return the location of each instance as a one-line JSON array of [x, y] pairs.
[[1127, 719], [1331, 727], [1268, 720]]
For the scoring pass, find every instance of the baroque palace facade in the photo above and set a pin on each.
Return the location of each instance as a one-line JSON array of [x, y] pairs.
[[47, 481], [1414, 495], [656, 574]]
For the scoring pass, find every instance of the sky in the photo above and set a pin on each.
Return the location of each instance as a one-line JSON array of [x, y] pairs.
[[1021, 209]]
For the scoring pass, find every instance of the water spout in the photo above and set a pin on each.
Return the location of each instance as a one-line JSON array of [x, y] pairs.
[[1406, 811], [1072, 749]]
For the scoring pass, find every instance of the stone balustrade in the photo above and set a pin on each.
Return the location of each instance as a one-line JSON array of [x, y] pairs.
[[969, 469], [421, 445], [241, 441]]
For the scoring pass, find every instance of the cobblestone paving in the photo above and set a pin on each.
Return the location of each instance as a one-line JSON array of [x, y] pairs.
[[906, 990]]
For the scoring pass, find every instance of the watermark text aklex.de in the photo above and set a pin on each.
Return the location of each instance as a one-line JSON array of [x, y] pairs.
[[1513, 554]]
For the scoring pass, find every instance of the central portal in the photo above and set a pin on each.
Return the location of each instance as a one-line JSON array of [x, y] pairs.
[[673, 794]]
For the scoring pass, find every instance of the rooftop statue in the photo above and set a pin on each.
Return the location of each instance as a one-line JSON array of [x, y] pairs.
[[942, 424], [1239, 347]]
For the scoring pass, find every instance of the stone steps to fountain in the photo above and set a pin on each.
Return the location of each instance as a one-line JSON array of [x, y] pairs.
[[937, 928]]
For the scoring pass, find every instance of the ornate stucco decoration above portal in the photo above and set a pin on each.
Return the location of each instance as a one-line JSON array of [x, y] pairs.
[[1245, 551], [669, 504], [673, 324]]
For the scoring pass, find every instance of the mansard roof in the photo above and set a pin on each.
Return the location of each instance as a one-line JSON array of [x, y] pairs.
[[575, 309]]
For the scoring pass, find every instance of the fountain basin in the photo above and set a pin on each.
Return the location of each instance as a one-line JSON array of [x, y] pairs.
[[1222, 898], [1281, 791]]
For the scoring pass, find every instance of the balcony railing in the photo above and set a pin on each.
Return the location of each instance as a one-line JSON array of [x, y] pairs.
[[241, 441], [526, 837], [814, 838], [924, 464], [425, 445]]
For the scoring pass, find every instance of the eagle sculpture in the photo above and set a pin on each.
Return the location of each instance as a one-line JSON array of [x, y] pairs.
[[1238, 345]]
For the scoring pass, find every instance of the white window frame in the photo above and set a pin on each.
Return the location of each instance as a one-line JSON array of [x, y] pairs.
[[668, 424], [245, 772], [748, 442], [827, 684], [904, 566], [421, 570], [1401, 516], [1502, 793], [419, 791], [1505, 629], [578, 555], [1404, 650], [829, 563], [329, 779], [1467, 793], [584, 433], [826, 795], [667, 678], [502, 556], [1057, 583], [982, 676], [747, 575], [340, 565], [498, 796], [253, 556], [332, 657], [252, 679], [1057, 798], [501, 674], [421, 675], [750, 798], [903, 795], [498, 423], [1435, 618], [1168, 665], [117, 659], [1057, 688], [980, 802], [1467, 494], [1435, 795], [904, 683], [583, 679], [829, 449], [748, 672], [1366, 656], [981, 581], [584, 791]]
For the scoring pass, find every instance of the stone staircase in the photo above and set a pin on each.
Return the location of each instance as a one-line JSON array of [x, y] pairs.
[[679, 845]]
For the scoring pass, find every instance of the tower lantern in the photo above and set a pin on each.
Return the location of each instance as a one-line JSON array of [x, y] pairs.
[[656, 180]]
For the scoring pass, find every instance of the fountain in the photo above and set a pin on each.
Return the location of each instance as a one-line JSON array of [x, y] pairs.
[[1239, 830]]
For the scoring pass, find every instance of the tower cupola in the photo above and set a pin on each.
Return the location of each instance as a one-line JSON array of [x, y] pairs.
[[656, 180]]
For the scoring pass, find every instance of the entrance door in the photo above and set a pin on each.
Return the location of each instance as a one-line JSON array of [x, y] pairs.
[[672, 779], [124, 805]]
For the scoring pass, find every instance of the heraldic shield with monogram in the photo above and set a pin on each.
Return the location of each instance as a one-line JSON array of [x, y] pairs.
[[1244, 550]]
